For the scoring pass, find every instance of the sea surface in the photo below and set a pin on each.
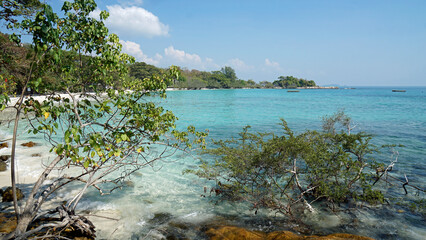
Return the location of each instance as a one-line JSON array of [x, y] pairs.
[[161, 201]]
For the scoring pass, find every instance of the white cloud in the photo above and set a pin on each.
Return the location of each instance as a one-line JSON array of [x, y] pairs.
[[135, 50], [133, 20], [130, 2], [270, 63], [239, 65], [181, 56]]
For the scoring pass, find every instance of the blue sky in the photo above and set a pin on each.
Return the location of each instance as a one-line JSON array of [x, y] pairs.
[[345, 42]]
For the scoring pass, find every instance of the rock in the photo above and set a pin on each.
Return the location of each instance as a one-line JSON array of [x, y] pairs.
[[160, 218], [4, 145], [234, 233], [179, 225], [4, 158], [8, 196], [176, 231], [36, 155], [7, 223], [129, 183], [3, 166], [29, 144]]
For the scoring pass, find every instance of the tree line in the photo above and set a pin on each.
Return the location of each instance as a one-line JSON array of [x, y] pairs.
[[15, 61]]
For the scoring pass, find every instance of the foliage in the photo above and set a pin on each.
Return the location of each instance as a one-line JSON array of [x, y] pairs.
[[293, 82], [225, 78], [141, 70], [11, 9], [281, 172], [106, 123]]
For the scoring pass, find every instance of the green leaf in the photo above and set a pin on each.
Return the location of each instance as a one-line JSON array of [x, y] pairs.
[[86, 164]]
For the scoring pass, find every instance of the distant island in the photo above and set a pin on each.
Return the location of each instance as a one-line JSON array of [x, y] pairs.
[[225, 78]]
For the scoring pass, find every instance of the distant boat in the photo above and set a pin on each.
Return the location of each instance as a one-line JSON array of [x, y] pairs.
[[396, 90], [293, 91]]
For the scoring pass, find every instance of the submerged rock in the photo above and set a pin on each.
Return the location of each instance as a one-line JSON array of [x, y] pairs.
[[7, 223], [36, 155], [29, 144], [4, 145], [8, 194], [3, 166], [236, 233], [129, 183], [4, 158], [160, 218]]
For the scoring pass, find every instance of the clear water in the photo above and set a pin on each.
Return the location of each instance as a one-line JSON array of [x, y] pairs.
[[163, 197]]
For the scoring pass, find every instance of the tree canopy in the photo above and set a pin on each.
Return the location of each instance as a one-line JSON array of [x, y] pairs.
[[293, 82]]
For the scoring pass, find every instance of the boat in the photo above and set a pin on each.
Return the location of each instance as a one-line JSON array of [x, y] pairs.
[[396, 90], [293, 91]]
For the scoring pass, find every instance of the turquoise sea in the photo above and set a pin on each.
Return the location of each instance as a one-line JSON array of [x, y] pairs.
[[392, 117], [161, 202]]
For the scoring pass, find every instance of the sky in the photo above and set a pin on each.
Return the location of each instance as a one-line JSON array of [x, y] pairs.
[[333, 42]]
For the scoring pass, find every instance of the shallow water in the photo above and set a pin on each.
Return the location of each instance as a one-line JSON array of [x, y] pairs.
[[162, 198]]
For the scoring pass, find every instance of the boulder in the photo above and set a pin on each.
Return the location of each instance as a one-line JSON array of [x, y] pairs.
[[8, 196], [234, 233]]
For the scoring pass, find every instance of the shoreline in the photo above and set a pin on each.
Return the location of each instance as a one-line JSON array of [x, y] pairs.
[[184, 89]]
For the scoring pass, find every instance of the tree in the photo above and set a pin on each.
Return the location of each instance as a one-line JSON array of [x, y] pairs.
[[293, 82], [289, 171], [229, 73], [111, 128], [141, 70], [11, 9]]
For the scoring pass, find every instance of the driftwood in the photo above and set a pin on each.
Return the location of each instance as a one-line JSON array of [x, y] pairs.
[[79, 224], [67, 226]]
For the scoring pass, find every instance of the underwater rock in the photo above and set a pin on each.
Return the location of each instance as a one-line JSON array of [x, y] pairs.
[[234, 233], [160, 218], [7, 223], [176, 230], [179, 225], [129, 183], [36, 155], [8, 195], [4, 145], [4, 158], [3, 166], [29, 144]]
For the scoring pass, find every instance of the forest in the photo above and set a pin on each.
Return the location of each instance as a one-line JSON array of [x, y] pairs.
[[15, 62]]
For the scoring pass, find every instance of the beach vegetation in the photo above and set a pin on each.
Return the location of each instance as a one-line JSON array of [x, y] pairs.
[[333, 167], [104, 127]]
